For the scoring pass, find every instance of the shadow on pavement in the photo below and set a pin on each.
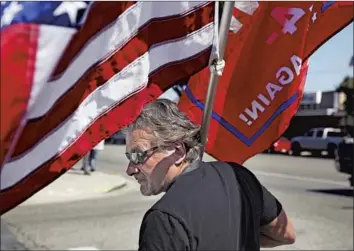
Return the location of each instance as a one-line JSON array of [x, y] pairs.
[[8, 239], [336, 191]]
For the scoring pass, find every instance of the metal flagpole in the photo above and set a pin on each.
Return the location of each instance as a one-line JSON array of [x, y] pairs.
[[216, 69]]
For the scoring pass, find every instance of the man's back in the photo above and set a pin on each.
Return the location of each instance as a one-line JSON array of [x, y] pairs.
[[217, 206]]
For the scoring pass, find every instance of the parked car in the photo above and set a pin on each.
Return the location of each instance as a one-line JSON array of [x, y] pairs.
[[317, 140], [282, 145], [117, 138], [344, 157]]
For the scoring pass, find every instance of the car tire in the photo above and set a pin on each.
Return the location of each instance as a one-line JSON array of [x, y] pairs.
[[270, 149], [295, 149]]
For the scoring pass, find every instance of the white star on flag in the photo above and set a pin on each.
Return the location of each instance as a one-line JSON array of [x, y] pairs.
[[246, 7], [10, 12], [71, 9], [314, 17]]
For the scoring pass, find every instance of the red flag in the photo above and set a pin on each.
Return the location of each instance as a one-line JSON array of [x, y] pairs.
[[262, 84], [74, 73]]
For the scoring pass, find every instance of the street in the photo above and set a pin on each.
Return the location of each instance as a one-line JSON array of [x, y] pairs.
[[313, 193]]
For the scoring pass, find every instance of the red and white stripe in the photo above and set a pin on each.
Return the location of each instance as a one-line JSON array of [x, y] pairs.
[[125, 56]]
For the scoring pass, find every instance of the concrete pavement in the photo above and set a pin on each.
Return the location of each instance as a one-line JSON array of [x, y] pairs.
[[74, 185]]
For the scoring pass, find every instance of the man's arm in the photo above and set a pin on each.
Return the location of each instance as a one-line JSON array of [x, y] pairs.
[[160, 231], [276, 227]]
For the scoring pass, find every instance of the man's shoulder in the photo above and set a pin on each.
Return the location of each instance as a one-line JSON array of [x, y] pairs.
[[199, 184], [211, 179], [155, 215], [226, 170], [202, 177]]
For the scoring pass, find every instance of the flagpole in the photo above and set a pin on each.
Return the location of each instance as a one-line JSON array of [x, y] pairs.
[[214, 75]]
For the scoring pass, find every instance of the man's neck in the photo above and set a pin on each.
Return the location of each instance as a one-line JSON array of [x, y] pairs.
[[180, 170]]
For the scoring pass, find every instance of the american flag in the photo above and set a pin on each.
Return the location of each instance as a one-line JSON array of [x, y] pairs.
[[73, 73]]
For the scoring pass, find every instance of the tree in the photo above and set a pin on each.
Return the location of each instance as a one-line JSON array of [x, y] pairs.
[[347, 87]]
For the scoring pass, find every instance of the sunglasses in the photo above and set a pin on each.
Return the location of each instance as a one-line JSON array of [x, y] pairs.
[[139, 157]]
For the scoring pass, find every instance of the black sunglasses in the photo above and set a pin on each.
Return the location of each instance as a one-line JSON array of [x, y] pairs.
[[139, 157]]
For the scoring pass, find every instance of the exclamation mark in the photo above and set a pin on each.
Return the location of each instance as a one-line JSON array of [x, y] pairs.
[[243, 117]]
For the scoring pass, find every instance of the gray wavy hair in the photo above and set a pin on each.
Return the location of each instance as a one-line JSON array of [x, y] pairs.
[[168, 125]]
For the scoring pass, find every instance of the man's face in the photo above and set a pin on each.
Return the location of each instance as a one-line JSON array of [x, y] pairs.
[[153, 164]]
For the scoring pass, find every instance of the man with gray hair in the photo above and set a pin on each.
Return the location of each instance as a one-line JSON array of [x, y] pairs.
[[206, 205]]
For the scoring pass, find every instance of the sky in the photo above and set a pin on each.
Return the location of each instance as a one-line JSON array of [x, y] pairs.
[[330, 63]]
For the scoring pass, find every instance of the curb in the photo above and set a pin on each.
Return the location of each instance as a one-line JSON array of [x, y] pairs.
[[65, 192], [113, 189]]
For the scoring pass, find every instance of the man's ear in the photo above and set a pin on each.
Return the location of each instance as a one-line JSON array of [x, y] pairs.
[[180, 153]]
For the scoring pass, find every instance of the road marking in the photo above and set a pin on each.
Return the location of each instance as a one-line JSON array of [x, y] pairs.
[[293, 177], [84, 248]]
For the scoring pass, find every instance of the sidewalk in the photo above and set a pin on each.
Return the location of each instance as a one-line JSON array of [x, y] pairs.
[[74, 185]]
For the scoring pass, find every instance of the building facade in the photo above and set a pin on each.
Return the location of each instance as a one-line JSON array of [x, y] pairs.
[[317, 109]]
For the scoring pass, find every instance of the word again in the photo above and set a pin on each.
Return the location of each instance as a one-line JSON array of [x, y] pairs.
[[285, 76]]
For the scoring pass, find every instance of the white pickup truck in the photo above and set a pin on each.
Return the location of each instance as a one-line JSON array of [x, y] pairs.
[[317, 140]]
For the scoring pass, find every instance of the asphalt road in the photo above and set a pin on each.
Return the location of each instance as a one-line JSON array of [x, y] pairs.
[[316, 196]]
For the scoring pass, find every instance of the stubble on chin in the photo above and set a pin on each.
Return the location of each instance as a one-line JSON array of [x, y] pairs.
[[146, 189]]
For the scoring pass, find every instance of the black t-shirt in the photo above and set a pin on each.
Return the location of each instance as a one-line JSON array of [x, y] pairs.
[[217, 206]]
